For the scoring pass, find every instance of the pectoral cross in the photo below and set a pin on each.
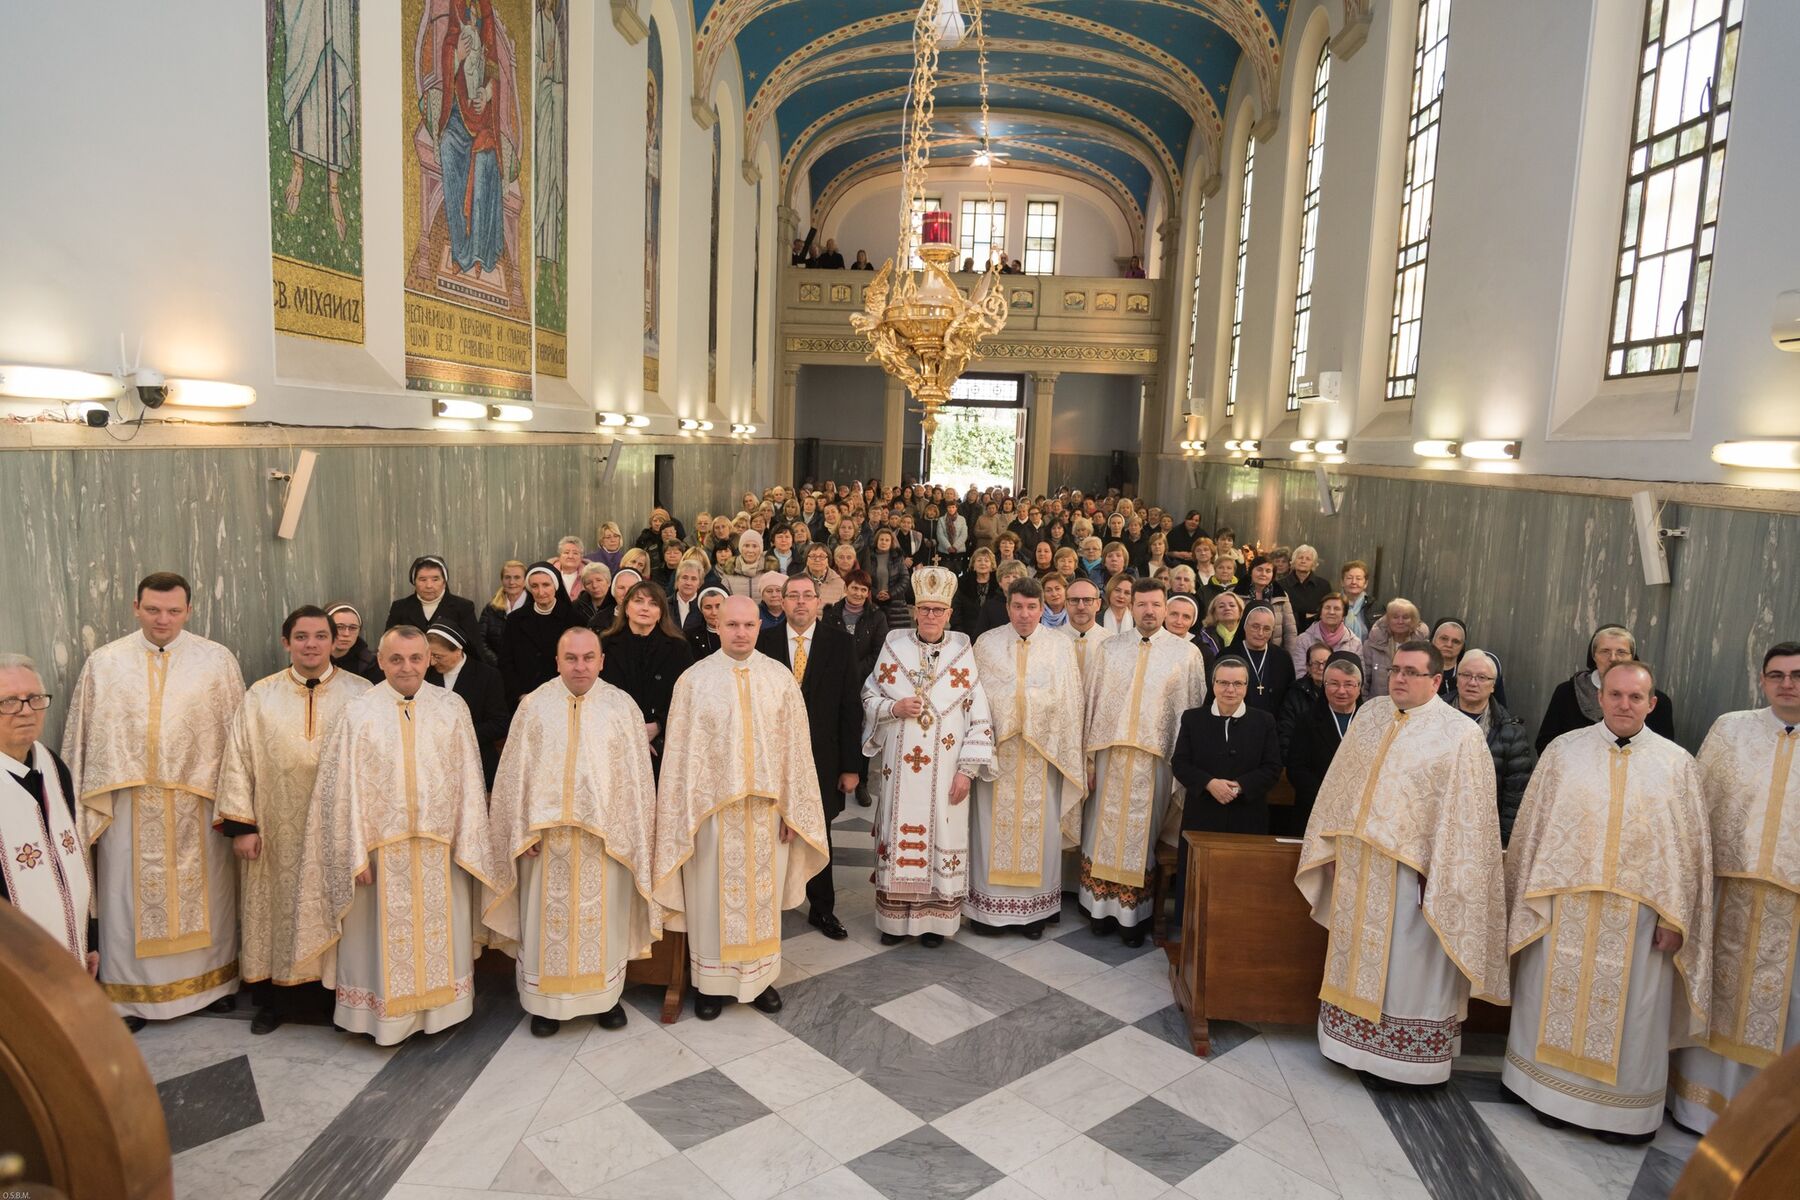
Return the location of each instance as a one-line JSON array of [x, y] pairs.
[[916, 759]]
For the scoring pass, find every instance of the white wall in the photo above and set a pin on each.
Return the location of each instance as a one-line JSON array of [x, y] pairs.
[[1525, 227], [1093, 232], [138, 196]]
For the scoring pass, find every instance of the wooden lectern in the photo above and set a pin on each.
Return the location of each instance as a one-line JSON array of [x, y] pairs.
[[1249, 949], [666, 967]]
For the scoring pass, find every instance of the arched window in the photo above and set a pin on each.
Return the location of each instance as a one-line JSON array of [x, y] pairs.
[[1672, 189], [1433, 47], [1243, 253], [1194, 316], [1309, 229]]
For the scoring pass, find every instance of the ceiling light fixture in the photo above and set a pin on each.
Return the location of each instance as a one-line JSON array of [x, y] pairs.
[[458, 410], [1435, 449], [1758, 455]]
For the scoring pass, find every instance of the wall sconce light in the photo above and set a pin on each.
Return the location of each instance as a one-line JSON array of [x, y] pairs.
[[511, 414], [58, 383], [1491, 450], [1330, 446], [1302, 446], [694, 425], [1436, 449], [746, 430], [608, 420], [1758, 455], [207, 393], [1194, 446], [458, 410], [1250, 447]]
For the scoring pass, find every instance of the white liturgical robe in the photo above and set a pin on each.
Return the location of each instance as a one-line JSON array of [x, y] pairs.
[[145, 735], [574, 784], [43, 861], [921, 838]]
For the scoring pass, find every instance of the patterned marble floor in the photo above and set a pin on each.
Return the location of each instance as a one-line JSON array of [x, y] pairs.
[[990, 1067]]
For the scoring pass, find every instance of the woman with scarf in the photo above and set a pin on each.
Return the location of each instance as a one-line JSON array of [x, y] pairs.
[[642, 655], [1259, 587], [885, 566], [1329, 631], [1223, 628], [528, 651], [1576, 702]]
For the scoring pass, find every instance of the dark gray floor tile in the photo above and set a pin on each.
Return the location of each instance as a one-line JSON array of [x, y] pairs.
[[1170, 1025], [1656, 1177], [847, 823], [1109, 950], [860, 855], [1168, 1144], [1453, 1150], [1480, 1087], [924, 1165], [697, 1109], [205, 1105]]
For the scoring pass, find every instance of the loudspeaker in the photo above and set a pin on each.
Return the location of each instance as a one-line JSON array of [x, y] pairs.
[[298, 483], [1328, 503], [610, 463], [1647, 516]]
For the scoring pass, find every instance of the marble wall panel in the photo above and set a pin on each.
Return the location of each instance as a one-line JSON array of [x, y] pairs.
[[1087, 472], [845, 461]]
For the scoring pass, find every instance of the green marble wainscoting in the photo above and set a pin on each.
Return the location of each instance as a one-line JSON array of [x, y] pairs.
[[86, 524], [1534, 571]]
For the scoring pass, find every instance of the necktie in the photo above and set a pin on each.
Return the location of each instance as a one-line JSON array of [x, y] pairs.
[[800, 660]]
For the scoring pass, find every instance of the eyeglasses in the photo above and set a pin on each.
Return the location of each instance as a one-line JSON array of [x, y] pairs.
[[1475, 678], [1409, 673], [1084, 599], [13, 705], [1782, 676]]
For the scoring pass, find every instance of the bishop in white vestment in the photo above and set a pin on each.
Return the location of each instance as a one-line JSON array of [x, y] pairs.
[[740, 826], [1752, 789], [926, 715], [265, 786], [396, 838], [1031, 809], [1609, 895], [1139, 684], [43, 863], [573, 814], [144, 739]]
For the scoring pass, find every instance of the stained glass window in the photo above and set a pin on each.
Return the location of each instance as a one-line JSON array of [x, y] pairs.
[[1243, 254], [1309, 230], [1433, 48]]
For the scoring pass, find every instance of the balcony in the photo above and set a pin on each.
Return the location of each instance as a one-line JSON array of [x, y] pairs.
[[1058, 322]]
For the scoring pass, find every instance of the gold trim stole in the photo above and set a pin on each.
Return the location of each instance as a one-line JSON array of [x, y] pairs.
[[1016, 838], [749, 902], [571, 890], [1588, 948], [1755, 932], [1127, 795], [168, 845], [1362, 907], [417, 961]]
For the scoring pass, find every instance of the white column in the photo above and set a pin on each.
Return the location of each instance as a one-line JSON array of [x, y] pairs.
[[1153, 430], [1037, 432], [787, 397], [893, 432]]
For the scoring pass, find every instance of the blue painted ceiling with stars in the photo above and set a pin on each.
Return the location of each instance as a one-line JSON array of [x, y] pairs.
[[1115, 91]]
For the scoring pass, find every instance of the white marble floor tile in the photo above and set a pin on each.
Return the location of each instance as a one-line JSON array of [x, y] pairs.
[[642, 1064], [524, 1173], [599, 1147], [1083, 1169], [739, 1030], [933, 1013], [784, 1074], [1235, 1107], [576, 1094], [1141, 1059], [815, 953], [1253, 1062], [636, 1025], [1004, 946], [1365, 1159], [1005, 1129], [1241, 1171], [1006, 1189], [1076, 1092], [674, 1178], [240, 1165], [1563, 1164], [1055, 964], [472, 1157], [839, 1183], [1122, 994], [861, 925], [1322, 1090], [761, 1160], [438, 1191], [851, 1119], [1675, 1141], [791, 973], [1288, 1141]]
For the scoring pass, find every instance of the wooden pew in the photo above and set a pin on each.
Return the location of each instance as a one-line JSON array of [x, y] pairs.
[[1753, 1151]]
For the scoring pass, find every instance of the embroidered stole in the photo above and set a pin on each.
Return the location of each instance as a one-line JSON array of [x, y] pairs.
[[571, 873], [418, 970], [917, 815], [1127, 792], [748, 829], [1016, 839], [41, 858], [171, 886], [1362, 909]]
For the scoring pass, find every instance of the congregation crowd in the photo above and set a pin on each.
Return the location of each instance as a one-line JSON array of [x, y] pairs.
[[654, 734]]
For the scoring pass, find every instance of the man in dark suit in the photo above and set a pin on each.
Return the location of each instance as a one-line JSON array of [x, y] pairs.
[[480, 687], [432, 603], [823, 660]]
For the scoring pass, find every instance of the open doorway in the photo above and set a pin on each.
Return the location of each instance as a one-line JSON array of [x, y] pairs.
[[980, 436]]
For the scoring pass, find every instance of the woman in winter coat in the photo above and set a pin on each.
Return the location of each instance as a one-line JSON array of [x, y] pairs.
[[1507, 738], [1399, 624]]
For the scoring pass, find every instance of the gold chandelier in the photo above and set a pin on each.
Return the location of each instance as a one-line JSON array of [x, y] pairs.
[[920, 326]]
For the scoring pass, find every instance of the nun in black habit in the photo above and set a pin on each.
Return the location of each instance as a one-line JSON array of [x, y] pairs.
[[432, 602], [528, 649]]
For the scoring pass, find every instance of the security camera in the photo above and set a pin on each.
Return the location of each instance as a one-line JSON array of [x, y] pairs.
[[1255, 464], [97, 417], [151, 389]]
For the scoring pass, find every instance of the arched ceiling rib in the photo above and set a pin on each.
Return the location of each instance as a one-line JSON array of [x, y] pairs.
[[1144, 78]]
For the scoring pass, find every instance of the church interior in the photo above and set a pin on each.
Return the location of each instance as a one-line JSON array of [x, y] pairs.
[[1500, 301]]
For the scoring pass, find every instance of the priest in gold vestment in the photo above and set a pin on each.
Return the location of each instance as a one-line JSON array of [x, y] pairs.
[[1031, 810], [145, 735], [573, 811], [265, 785], [740, 826], [396, 840], [1609, 897], [1401, 862], [1752, 788], [1138, 685]]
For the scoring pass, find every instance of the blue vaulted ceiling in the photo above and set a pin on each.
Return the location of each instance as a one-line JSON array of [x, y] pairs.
[[1113, 91]]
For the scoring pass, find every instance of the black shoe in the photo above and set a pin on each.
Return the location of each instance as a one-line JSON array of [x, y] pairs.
[[135, 1023], [224, 1004], [828, 925], [1034, 931], [1623, 1139], [612, 1018], [892, 939], [544, 1027], [931, 940], [769, 1001], [708, 1008], [1105, 927], [267, 1020], [862, 798], [1548, 1121], [1134, 937]]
